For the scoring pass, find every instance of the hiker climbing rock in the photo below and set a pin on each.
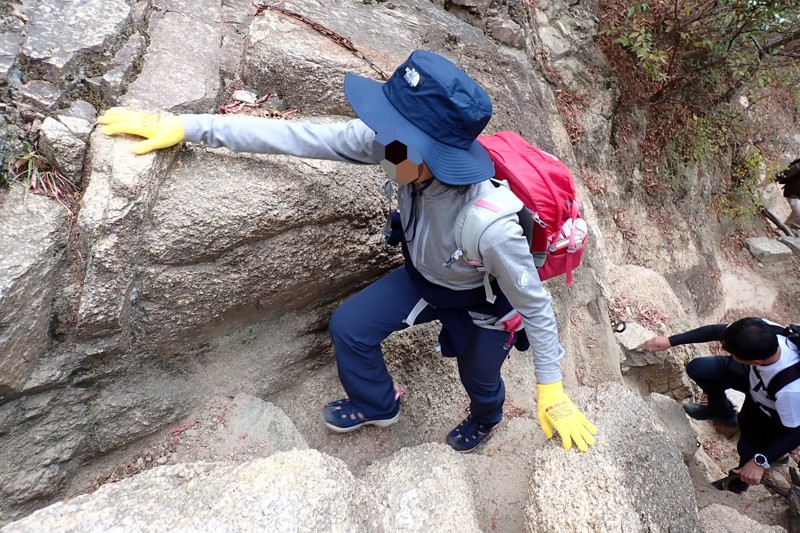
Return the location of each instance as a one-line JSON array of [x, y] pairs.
[[790, 179], [764, 364], [421, 125]]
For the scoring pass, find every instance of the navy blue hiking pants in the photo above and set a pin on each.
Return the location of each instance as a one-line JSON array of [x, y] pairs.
[[360, 324], [717, 374]]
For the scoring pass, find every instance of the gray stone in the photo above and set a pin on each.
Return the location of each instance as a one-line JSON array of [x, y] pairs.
[[507, 32], [265, 218], [291, 491], [180, 74], [256, 423], [31, 235], [47, 430], [120, 192], [767, 250], [41, 94], [61, 35], [632, 339], [282, 54], [115, 80], [9, 47], [718, 518], [674, 419], [793, 243], [633, 480], [77, 126], [63, 146], [634, 335], [294, 61], [415, 486], [480, 5], [80, 109]]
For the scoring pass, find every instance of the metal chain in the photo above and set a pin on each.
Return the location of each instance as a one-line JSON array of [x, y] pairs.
[[343, 41]]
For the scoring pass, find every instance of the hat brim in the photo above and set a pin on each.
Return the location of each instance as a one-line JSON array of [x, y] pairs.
[[450, 165]]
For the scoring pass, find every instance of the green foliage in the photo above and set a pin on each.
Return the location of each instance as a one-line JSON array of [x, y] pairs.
[[706, 138], [640, 40], [4, 177], [742, 202], [700, 51]]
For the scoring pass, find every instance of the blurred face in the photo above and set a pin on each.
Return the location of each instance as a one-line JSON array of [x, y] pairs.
[[402, 163]]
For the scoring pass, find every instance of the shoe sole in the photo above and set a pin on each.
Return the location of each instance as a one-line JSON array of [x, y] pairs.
[[379, 423], [465, 451]]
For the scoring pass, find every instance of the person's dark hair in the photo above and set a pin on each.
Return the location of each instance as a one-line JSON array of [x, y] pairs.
[[750, 339]]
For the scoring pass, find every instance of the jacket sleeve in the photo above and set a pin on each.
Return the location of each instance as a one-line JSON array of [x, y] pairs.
[[787, 441], [352, 141], [507, 257], [702, 334]]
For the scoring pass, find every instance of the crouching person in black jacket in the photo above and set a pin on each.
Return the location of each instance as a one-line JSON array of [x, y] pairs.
[[764, 363]]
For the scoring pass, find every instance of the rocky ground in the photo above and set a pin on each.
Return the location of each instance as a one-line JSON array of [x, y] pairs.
[[210, 434], [155, 318]]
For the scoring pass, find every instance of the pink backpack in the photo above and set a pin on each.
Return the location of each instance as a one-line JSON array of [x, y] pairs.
[[544, 198]]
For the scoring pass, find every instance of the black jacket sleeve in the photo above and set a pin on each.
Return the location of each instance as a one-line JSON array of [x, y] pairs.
[[788, 440], [708, 333]]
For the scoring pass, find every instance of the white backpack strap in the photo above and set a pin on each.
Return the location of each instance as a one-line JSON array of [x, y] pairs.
[[478, 215], [388, 188], [414, 313], [473, 220]]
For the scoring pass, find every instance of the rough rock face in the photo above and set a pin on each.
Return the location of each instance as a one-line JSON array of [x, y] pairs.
[[186, 252], [718, 518], [62, 38], [422, 488], [289, 491], [194, 273], [29, 263], [634, 478], [265, 494], [415, 486]]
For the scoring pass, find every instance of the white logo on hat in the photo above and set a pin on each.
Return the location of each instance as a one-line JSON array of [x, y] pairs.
[[411, 76]]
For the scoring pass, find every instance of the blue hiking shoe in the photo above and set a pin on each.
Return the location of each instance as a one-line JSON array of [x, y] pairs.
[[468, 435], [342, 416]]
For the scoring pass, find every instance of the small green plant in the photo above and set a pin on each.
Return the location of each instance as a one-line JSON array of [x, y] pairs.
[[639, 39], [704, 138], [685, 59], [743, 203], [39, 176]]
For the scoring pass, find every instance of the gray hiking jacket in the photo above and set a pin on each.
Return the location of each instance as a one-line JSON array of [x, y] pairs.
[[503, 247]]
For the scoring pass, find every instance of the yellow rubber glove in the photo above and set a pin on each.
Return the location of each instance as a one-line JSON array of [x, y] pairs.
[[161, 131], [556, 410]]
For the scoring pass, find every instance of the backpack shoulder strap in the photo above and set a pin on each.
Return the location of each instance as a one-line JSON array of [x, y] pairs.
[[791, 332], [473, 220], [790, 373], [781, 379], [478, 215]]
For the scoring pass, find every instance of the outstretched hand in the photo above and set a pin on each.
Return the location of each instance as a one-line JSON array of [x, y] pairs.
[[556, 411], [160, 130], [656, 344]]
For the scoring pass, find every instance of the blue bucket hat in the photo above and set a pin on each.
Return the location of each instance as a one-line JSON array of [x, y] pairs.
[[433, 106]]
